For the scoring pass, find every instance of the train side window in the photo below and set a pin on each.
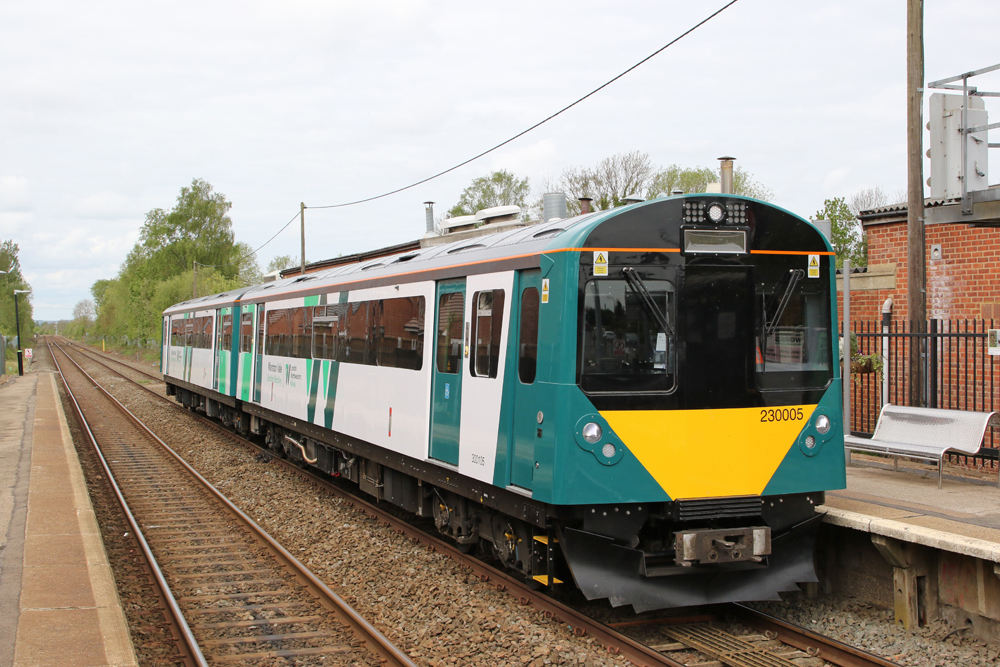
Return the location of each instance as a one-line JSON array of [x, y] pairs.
[[356, 348], [451, 313], [246, 332], [527, 344], [401, 333], [189, 332], [177, 332], [487, 324], [227, 333], [261, 318]]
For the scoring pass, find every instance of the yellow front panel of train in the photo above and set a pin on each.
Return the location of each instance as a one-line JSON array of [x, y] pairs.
[[710, 453]]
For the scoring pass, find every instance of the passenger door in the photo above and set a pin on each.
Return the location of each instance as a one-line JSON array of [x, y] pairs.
[[527, 392], [258, 353], [446, 384], [218, 349]]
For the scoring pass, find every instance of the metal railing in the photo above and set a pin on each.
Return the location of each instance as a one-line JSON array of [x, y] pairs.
[[959, 374]]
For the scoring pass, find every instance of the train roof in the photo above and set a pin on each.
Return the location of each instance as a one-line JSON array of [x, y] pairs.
[[523, 242]]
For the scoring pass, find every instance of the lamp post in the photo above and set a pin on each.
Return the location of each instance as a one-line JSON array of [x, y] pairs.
[[17, 323], [3, 352]]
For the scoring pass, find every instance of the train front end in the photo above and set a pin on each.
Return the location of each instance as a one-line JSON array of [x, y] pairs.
[[705, 411]]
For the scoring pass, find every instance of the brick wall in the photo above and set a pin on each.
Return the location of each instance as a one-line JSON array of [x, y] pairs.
[[963, 284]]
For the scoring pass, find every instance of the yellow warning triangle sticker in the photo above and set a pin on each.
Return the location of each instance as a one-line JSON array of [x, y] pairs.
[[600, 258], [813, 260]]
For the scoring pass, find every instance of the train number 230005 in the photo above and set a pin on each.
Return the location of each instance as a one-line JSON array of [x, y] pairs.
[[781, 415]]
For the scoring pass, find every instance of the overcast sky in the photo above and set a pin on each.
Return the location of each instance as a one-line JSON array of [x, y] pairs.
[[108, 108]]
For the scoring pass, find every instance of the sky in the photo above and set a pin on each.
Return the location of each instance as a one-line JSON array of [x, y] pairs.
[[108, 109]]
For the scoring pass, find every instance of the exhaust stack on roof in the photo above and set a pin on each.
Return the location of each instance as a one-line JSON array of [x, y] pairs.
[[553, 206], [727, 174], [429, 212]]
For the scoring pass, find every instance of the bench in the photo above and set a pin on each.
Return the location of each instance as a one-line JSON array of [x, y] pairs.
[[926, 434]]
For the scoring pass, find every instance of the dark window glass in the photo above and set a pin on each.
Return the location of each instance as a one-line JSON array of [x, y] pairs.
[[227, 333], [401, 333], [624, 347], [188, 332], [451, 313], [289, 332], [527, 342], [793, 328], [246, 332], [177, 333], [356, 348], [487, 324]]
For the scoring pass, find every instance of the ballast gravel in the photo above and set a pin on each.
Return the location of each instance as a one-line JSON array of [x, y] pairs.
[[870, 628], [431, 607], [442, 615]]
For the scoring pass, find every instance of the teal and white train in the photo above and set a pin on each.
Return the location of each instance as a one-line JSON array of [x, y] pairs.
[[642, 401]]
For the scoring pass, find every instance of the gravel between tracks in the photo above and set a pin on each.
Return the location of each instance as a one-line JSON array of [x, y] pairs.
[[431, 607], [417, 597]]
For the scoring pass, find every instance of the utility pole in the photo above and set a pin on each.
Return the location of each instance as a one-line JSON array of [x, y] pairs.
[[916, 281], [302, 219]]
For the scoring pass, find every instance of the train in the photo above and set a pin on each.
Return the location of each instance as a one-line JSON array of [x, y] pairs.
[[643, 402]]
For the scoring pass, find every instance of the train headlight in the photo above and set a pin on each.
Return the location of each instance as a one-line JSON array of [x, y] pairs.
[[592, 433], [716, 213], [810, 442], [609, 451], [822, 424]]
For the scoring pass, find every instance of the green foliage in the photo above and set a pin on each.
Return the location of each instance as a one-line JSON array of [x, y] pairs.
[[158, 272], [500, 188], [696, 179], [849, 240], [281, 262], [10, 281]]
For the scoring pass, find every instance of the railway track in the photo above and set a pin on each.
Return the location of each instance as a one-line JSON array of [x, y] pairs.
[[231, 594], [776, 644]]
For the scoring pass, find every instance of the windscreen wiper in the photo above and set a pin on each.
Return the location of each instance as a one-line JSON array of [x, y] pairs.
[[793, 277], [639, 287]]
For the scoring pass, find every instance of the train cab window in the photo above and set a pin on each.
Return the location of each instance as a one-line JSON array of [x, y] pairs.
[[527, 341], [226, 342], [793, 329], [246, 332], [487, 324], [451, 314], [628, 335]]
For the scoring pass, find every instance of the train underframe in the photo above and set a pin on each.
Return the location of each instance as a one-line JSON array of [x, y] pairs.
[[648, 555]]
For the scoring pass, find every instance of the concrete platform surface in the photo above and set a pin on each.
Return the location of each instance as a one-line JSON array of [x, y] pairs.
[[58, 601], [960, 517]]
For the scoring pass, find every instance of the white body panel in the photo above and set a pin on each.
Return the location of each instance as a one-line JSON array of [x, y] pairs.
[[482, 396], [366, 393]]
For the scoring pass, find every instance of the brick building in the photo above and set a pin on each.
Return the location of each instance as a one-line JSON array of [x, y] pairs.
[[963, 262]]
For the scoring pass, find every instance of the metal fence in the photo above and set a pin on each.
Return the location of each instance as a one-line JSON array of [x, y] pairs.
[[959, 374]]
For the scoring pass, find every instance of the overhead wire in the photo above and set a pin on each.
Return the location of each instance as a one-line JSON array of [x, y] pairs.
[[523, 132]]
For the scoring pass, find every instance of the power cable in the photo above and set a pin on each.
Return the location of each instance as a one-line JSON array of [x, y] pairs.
[[541, 122], [523, 132]]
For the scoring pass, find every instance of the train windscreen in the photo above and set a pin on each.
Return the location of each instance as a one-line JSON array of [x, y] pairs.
[[628, 337]]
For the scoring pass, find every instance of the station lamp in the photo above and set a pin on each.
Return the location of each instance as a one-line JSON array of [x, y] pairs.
[[17, 324]]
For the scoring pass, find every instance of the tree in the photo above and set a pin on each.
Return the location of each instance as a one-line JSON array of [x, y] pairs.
[[871, 198], [10, 281], [197, 229], [691, 180], [607, 184], [848, 240], [281, 262], [500, 188]]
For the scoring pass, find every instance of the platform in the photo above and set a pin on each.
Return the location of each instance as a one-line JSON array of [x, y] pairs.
[[895, 537], [58, 601]]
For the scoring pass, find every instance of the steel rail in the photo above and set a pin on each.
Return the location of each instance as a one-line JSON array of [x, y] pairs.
[[362, 629], [804, 639], [176, 619]]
